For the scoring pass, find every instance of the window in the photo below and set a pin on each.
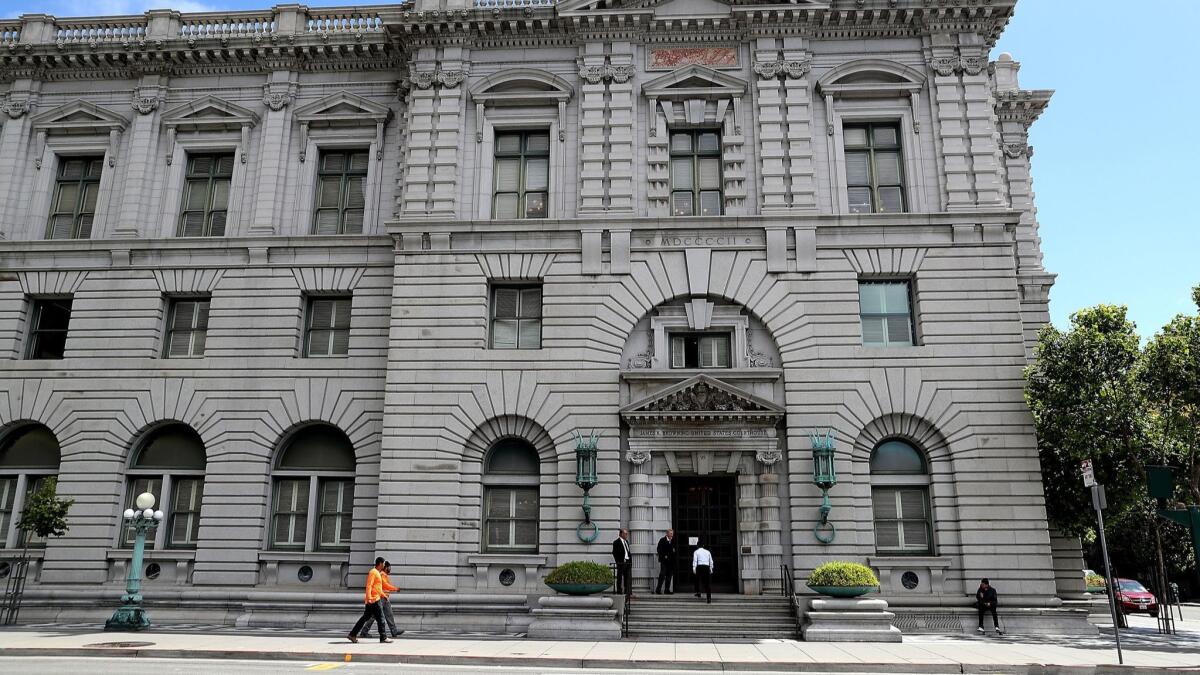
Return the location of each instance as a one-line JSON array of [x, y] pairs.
[[517, 317], [696, 173], [886, 312], [48, 328], [700, 350], [313, 503], [206, 197], [522, 174], [169, 463], [29, 456], [874, 168], [900, 499], [74, 203], [341, 191], [510, 497], [187, 327], [327, 327]]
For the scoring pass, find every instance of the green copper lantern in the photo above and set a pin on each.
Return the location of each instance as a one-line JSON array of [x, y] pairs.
[[585, 478], [824, 477]]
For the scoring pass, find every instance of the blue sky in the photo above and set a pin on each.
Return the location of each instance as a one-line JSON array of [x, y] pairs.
[[1116, 152]]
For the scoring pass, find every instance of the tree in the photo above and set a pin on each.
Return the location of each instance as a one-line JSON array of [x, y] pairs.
[[45, 514], [1088, 403], [1170, 374]]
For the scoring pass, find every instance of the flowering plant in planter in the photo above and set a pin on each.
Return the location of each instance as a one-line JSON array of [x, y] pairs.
[[842, 579], [580, 577], [1095, 583]]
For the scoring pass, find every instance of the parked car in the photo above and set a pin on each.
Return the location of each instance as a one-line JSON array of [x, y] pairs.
[[1133, 597]]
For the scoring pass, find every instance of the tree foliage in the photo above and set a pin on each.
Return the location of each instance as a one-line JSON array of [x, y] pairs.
[[45, 514], [1170, 373]]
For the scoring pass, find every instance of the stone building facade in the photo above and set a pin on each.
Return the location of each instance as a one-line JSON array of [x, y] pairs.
[[334, 283]]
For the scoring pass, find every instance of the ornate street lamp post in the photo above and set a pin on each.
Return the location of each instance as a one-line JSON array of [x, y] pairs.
[[824, 477], [131, 615], [585, 478]]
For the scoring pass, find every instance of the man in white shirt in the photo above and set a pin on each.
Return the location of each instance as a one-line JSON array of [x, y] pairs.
[[702, 569], [624, 562]]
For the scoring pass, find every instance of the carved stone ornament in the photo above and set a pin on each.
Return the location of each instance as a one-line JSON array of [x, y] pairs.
[[642, 360], [444, 78], [767, 70], [768, 457], [757, 359], [16, 107], [702, 397], [606, 73], [276, 100], [144, 105], [637, 457], [1015, 150], [974, 65], [949, 65]]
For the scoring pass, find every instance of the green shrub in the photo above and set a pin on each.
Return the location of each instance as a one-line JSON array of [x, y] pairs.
[[842, 573], [580, 572], [1094, 581]]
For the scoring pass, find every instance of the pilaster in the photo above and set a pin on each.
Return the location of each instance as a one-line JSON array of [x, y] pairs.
[[14, 147], [273, 158], [432, 168], [784, 125], [141, 158]]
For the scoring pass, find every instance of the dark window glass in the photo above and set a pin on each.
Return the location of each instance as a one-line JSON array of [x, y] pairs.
[[517, 317], [696, 173], [521, 187], [700, 350], [49, 321], [184, 525], [289, 519], [73, 206], [187, 327], [341, 192], [328, 326], [885, 308], [874, 168], [336, 514], [206, 195]]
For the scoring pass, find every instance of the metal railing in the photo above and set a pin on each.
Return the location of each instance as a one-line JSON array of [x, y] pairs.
[[787, 582]]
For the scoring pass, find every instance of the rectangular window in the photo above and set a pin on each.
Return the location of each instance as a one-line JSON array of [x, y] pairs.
[[289, 521], [138, 485], [521, 186], [341, 191], [187, 495], [901, 520], [700, 350], [187, 327], [50, 318], [696, 173], [886, 311], [517, 317], [73, 206], [874, 168], [510, 519], [206, 195], [336, 514], [327, 330]]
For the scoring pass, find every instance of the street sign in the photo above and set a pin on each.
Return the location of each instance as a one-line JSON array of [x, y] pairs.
[[1089, 476]]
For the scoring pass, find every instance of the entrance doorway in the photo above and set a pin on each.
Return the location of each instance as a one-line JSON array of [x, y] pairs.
[[705, 507]]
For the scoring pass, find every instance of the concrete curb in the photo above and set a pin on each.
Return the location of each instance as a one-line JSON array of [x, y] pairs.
[[617, 664]]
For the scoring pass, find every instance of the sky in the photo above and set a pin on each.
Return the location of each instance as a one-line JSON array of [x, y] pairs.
[[1115, 153]]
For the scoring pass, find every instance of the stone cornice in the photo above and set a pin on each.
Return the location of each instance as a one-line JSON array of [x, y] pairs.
[[1023, 105]]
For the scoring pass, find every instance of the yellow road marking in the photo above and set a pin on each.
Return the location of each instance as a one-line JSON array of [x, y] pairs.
[[325, 666]]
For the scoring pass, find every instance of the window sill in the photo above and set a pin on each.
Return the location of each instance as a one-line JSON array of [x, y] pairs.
[[304, 556], [153, 554], [507, 559], [894, 560], [14, 553]]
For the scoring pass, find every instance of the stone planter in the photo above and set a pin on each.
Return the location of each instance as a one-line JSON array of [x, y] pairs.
[[848, 620], [579, 589], [843, 591], [574, 618]]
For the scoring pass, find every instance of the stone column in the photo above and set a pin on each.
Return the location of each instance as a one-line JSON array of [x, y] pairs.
[[770, 546], [606, 130], [951, 121], [593, 123], [14, 144], [278, 94], [749, 523], [641, 521], [981, 132], [435, 133], [785, 129], [141, 158]]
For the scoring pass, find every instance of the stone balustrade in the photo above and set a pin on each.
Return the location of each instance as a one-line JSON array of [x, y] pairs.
[[227, 25], [10, 33]]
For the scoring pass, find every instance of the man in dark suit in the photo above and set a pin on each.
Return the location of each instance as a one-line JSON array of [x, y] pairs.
[[666, 564], [624, 560]]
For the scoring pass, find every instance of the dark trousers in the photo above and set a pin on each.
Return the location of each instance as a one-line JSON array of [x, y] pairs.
[[983, 610], [372, 610], [624, 569], [385, 606], [704, 581], [666, 577]]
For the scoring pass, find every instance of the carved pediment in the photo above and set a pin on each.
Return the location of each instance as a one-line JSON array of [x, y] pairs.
[[694, 82], [343, 109], [521, 86], [79, 117], [702, 398], [209, 113]]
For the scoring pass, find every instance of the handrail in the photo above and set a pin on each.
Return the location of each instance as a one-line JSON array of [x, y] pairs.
[[788, 583], [628, 600]]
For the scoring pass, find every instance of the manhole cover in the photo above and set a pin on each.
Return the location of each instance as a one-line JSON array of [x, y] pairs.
[[118, 645]]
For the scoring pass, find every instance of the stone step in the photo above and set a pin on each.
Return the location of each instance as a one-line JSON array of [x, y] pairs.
[[728, 616], [714, 629], [675, 633]]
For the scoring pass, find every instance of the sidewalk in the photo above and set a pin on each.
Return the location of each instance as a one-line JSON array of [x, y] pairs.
[[1148, 651]]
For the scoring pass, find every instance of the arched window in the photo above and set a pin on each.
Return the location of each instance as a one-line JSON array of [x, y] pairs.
[[313, 502], [510, 497], [169, 464], [28, 456], [900, 498]]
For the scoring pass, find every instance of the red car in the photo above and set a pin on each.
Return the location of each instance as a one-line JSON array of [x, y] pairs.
[[1133, 597]]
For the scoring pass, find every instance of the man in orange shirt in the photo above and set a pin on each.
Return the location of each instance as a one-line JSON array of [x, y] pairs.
[[373, 599], [385, 604]]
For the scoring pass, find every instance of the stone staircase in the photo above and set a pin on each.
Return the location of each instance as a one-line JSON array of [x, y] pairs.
[[729, 616]]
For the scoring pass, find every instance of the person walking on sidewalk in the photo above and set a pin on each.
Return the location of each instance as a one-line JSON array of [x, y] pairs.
[[385, 604], [373, 602], [624, 560], [985, 601], [702, 569], [666, 563]]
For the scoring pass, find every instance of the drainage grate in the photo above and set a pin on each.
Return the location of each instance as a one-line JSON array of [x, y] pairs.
[[928, 623], [118, 645]]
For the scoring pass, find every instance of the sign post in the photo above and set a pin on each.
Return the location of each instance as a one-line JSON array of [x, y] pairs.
[[1099, 503]]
